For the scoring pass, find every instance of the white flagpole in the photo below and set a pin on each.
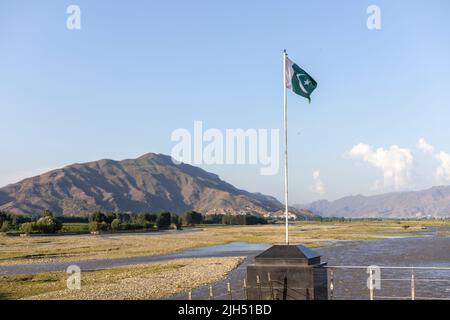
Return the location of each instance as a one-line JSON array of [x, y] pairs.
[[285, 148]]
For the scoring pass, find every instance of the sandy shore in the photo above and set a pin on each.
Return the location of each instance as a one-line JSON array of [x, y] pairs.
[[151, 281]]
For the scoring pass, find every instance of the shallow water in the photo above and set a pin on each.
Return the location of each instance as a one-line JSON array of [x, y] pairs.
[[426, 251]]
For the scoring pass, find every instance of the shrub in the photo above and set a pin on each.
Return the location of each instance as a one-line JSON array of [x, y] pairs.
[[5, 227], [145, 225], [140, 220], [97, 226], [48, 224], [164, 220], [176, 222], [27, 227], [115, 225], [8, 221]]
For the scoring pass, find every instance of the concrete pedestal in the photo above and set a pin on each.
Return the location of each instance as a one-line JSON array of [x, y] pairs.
[[285, 272]]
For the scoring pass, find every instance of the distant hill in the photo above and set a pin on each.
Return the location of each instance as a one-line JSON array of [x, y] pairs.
[[433, 203], [151, 183]]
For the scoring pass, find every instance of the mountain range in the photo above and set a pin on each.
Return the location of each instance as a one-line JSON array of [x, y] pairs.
[[430, 203], [150, 183]]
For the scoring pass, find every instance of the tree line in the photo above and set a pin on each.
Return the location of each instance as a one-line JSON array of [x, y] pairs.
[[98, 221], [45, 223]]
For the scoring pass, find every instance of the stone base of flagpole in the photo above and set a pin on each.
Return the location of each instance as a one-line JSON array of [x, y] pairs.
[[287, 272]]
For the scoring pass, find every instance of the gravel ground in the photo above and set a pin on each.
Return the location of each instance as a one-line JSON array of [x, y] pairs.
[[139, 282]]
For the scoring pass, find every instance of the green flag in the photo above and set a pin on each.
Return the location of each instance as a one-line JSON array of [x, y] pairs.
[[298, 80]]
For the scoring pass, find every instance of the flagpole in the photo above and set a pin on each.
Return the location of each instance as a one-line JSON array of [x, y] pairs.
[[286, 199]]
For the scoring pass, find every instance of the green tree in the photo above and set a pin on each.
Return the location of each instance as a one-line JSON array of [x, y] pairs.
[[3, 217], [213, 219], [192, 217], [151, 217], [48, 224], [95, 226], [111, 216], [176, 222], [97, 216], [140, 220], [234, 219], [252, 220], [47, 213], [27, 227], [115, 225], [5, 226], [164, 220]]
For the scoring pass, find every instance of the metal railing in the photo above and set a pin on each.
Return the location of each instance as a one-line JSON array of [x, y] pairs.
[[400, 283], [348, 283]]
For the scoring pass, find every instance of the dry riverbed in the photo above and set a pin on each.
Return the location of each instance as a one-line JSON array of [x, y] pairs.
[[147, 281], [16, 250]]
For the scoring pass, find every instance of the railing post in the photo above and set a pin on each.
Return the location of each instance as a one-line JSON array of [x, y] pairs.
[[245, 289], [211, 294], [371, 284], [413, 286], [285, 288], [331, 284], [258, 283], [270, 286], [229, 290]]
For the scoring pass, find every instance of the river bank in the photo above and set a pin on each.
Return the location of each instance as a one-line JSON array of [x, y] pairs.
[[389, 246], [58, 249]]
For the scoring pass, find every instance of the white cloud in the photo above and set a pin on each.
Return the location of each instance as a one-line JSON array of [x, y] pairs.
[[317, 186], [424, 146], [395, 164], [443, 171]]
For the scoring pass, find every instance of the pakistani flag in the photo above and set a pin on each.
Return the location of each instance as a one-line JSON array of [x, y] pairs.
[[298, 80]]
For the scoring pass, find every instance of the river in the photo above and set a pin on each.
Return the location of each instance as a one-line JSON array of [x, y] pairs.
[[422, 249]]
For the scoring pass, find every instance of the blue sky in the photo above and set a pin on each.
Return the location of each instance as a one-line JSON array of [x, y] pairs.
[[138, 70]]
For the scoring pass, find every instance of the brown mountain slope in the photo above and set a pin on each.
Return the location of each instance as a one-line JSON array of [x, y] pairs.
[[150, 183]]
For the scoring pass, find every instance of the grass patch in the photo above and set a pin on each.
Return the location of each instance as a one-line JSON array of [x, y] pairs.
[[75, 227], [17, 287]]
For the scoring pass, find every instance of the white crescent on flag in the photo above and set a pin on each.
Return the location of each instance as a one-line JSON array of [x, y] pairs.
[[301, 84]]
